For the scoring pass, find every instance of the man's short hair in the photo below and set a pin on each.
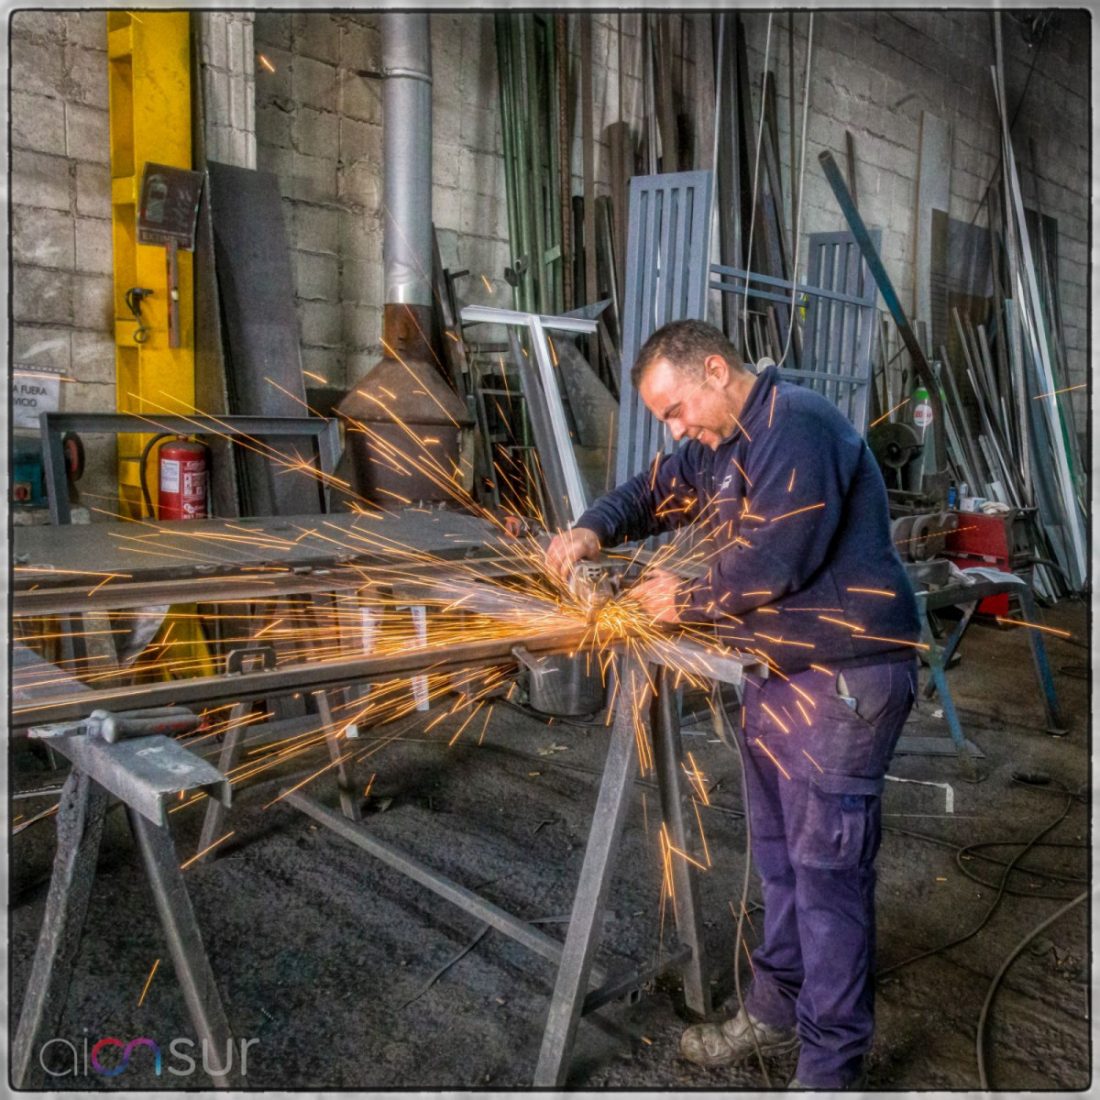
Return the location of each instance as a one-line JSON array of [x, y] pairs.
[[685, 344]]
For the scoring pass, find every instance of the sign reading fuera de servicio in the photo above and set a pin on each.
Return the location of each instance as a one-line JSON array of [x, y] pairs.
[[33, 393]]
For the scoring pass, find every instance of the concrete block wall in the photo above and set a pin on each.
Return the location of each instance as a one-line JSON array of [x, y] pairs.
[[319, 128], [229, 87], [874, 72], [61, 215]]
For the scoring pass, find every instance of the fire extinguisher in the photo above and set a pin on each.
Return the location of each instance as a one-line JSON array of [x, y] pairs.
[[183, 478]]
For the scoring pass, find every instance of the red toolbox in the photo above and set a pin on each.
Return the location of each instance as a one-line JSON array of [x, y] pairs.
[[1000, 541]]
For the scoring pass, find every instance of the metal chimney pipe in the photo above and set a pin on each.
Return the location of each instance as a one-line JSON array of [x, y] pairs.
[[407, 137]]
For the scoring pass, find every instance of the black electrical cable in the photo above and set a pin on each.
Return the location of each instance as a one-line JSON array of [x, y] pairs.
[[983, 1078], [1002, 887]]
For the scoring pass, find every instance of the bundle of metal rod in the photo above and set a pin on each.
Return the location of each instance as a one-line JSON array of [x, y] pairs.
[[1009, 420], [527, 60]]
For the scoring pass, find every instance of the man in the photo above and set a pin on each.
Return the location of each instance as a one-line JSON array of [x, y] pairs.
[[803, 573]]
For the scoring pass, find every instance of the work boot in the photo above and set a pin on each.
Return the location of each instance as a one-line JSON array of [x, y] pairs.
[[733, 1040]]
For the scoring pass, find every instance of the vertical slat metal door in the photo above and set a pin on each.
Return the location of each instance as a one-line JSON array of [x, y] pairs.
[[838, 337], [667, 269]]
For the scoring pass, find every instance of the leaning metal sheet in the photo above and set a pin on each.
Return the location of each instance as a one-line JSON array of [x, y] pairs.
[[58, 555]]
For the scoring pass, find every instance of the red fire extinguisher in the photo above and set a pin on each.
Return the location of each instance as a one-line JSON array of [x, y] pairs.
[[183, 471]]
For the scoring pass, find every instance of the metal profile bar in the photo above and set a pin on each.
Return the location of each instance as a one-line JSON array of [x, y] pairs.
[[770, 280], [550, 457], [52, 425], [886, 289], [144, 772], [491, 315], [652, 272], [574, 485], [80, 817], [582, 938], [667, 760], [291, 678], [513, 927], [177, 918]]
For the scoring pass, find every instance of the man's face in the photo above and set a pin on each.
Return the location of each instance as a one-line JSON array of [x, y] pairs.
[[692, 405]]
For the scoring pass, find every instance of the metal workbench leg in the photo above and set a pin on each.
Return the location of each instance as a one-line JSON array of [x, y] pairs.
[[337, 748], [937, 666], [214, 818], [947, 651], [177, 918], [581, 940], [80, 818], [667, 758], [1055, 722]]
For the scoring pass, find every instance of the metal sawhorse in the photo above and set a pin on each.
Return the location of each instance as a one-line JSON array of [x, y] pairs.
[[145, 774], [981, 582], [572, 998]]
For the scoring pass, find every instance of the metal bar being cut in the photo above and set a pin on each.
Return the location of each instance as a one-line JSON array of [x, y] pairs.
[[206, 690]]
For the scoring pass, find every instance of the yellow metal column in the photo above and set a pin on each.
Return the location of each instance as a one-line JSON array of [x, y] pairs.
[[149, 56]]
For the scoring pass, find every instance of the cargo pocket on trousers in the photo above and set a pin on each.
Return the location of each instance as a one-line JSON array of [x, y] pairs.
[[833, 831]]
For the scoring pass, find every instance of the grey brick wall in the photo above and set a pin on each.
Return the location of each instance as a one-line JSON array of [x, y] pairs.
[[319, 128], [61, 210], [874, 72], [229, 89]]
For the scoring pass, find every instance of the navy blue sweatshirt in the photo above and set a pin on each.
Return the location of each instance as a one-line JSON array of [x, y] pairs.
[[796, 532]]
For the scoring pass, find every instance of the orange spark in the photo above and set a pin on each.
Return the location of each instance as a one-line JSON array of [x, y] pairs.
[[148, 982], [767, 752], [841, 622], [890, 412], [198, 855], [1065, 389], [1035, 626], [813, 761], [873, 591], [775, 718]]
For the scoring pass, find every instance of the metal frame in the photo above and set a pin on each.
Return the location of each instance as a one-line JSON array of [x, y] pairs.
[[53, 425], [205, 690], [572, 485], [840, 329]]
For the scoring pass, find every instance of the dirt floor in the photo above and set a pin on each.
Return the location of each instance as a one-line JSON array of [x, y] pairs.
[[327, 958]]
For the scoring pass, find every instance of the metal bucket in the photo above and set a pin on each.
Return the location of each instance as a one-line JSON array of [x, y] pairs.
[[561, 685]]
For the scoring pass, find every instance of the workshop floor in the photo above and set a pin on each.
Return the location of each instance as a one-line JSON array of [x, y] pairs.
[[328, 958]]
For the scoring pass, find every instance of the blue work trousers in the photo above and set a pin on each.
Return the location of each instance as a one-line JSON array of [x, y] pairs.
[[815, 748]]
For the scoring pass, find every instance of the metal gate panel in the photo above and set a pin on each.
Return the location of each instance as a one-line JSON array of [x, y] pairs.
[[667, 266], [838, 337]]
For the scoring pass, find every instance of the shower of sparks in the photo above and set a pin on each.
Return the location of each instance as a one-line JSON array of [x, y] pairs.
[[505, 593]]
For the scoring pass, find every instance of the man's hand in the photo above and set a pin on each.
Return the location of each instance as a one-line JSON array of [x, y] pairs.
[[569, 547], [657, 593]]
